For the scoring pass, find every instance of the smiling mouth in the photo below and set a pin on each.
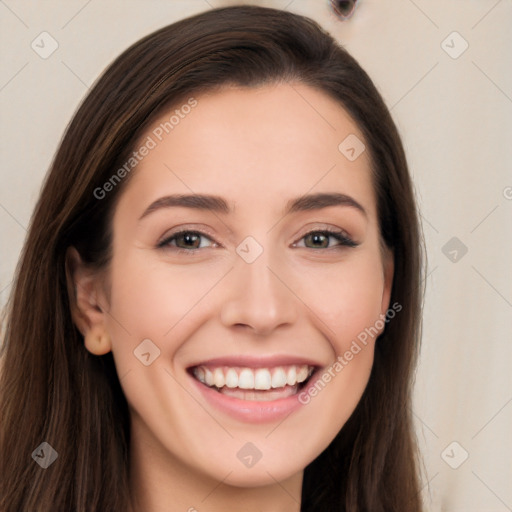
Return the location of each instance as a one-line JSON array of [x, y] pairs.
[[254, 384]]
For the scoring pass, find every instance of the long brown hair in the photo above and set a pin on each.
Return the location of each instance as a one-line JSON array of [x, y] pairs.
[[53, 390]]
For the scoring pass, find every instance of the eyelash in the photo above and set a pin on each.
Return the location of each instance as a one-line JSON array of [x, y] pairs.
[[340, 236]]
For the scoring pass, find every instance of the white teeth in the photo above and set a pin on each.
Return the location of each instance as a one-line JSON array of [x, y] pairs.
[[302, 374], [291, 376], [279, 378], [199, 373], [218, 378], [208, 377], [246, 379], [262, 379], [255, 379], [231, 378]]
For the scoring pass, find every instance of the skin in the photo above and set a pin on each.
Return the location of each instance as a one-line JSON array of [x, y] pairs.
[[257, 148]]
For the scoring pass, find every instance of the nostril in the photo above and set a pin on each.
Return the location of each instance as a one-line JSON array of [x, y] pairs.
[[344, 8]]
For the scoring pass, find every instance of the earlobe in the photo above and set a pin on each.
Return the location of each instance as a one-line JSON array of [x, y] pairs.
[[84, 297], [97, 341]]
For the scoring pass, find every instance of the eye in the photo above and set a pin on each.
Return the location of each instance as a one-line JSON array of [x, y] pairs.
[[186, 241], [320, 239]]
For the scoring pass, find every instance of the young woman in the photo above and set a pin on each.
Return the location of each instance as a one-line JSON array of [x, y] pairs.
[[218, 302]]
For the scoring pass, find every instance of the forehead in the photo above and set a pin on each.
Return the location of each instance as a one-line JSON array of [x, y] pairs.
[[252, 144]]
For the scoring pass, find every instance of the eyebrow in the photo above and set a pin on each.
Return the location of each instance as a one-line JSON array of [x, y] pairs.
[[219, 205]]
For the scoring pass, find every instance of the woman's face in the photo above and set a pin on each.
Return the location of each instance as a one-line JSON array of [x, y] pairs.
[[244, 288]]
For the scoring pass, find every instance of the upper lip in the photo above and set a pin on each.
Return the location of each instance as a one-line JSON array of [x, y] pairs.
[[258, 361]]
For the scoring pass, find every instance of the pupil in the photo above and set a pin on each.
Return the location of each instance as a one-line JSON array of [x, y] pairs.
[[189, 239], [318, 239]]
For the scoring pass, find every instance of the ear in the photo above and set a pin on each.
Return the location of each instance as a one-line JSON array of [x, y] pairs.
[[88, 303], [388, 269]]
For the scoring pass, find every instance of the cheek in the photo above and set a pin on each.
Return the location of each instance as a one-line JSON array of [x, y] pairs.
[[149, 300], [347, 298]]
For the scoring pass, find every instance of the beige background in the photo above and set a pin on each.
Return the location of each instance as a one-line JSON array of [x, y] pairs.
[[455, 116]]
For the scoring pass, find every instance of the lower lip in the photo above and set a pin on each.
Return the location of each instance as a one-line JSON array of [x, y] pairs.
[[250, 411]]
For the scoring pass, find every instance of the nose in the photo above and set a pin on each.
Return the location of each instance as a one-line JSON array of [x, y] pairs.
[[259, 297]]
